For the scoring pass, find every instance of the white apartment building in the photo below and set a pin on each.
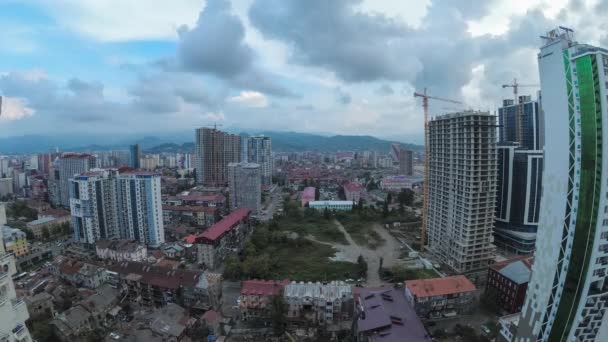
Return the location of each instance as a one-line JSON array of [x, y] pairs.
[[140, 207], [259, 151], [93, 206], [331, 205], [567, 298], [13, 310], [245, 186], [462, 189], [319, 303]]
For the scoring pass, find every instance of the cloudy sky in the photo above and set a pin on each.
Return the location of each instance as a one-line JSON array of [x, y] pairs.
[[339, 66]]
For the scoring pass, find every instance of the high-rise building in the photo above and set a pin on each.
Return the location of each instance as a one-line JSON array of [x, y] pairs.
[[13, 310], [140, 207], [70, 164], [520, 165], [260, 152], [108, 205], [405, 158], [93, 206], [567, 297], [245, 186], [214, 151], [134, 156], [462, 189]]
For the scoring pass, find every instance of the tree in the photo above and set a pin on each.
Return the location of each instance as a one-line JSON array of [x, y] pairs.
[[362, 266], [29, 235], [317, 193], [406, 197], [360, 204], [233, 270], [278, 310], [326, 214], [389, 198], [45, 233], [385, 211]]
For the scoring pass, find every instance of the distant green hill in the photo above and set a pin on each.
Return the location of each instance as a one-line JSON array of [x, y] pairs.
[[299, 142]]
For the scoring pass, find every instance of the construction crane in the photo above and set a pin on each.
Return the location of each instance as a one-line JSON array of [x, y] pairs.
[[425, 104], [516, 86]]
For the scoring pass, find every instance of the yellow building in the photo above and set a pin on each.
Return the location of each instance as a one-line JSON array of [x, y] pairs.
[[15, 241]]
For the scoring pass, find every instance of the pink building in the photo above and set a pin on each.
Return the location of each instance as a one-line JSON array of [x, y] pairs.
[[308, 195], [352, 191]]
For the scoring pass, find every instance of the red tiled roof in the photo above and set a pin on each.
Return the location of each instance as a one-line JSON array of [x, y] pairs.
[[193, 208], [440, 286], [263, 287], [210, 316], [527, 260], [220, 228], [163, 277], [352, 187]]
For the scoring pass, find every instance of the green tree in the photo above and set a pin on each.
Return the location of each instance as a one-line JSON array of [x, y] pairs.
[[317, 193], [385, 211], [389, 198], [278, 311], [29, 235], [233, 270], [46, 234], [362, 266], [360, 204], [406, 197]]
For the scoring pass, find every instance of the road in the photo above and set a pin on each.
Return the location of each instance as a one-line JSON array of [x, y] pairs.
[[276, 201]]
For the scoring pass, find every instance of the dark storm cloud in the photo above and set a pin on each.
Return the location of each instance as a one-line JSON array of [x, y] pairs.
[[216, 46]]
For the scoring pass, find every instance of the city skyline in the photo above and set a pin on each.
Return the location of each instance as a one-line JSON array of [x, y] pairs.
[[139, 74]]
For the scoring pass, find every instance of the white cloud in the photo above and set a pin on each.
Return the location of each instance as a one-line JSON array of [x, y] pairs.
[[12, 109], [123, 20], [251, 99], [215, 117]]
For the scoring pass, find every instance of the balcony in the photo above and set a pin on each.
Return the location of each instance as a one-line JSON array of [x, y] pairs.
[[20, 309]]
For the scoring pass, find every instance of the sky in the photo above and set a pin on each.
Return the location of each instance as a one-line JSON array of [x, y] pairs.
[[318, 66]]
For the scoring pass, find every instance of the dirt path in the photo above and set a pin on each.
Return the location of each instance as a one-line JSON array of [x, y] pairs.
[[371, 257]]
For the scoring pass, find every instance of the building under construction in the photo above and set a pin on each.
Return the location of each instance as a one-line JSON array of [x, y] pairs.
[[462, 173]]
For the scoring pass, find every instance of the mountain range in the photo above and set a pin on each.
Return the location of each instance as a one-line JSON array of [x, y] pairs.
[[281, 142]]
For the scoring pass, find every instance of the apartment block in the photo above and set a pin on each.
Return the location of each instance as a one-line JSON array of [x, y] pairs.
[[68, 165], [567, 298], [319, 303], [508, 282], [441, 297], [462, 189], [214, 151], [255, 301], [259, 151], [244, 180]]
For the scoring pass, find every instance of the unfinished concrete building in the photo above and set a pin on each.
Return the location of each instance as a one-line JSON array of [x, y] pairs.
[[462, 189]]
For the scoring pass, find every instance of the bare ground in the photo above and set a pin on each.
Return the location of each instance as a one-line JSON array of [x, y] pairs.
[[389, 251]]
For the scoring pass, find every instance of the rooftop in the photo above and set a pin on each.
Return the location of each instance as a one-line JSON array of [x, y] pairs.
[[330, 291], [352, 187], [440, 286], [159, 276], [308, 193], [224, 225], [118, 245], [263, 287], [387, 317], [331, 203], [42, 220], [518, 270]]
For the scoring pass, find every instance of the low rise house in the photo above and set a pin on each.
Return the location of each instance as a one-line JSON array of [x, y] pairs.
[[78, 273], [38, 226], [15, 241], [40, 305], [39, 206], [331, 205], [508, 282], [171, 322], [256, 296], [195, 198], [227, 235], [61, 215], [198, 215], [156, 286], [76, 322], [441, 297], [308, 195], [352, 191], [121, 250], [174, 250], [101, 303], [384, 315], [318, 303]]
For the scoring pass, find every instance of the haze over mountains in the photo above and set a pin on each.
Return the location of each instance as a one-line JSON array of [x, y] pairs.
[[183, 142]]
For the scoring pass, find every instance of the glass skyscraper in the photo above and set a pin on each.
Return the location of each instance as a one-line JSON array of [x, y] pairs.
[[520, 164]]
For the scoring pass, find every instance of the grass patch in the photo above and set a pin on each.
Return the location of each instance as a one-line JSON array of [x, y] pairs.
[[308, 222], [360, 225], [400, 274], [271, 254]]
